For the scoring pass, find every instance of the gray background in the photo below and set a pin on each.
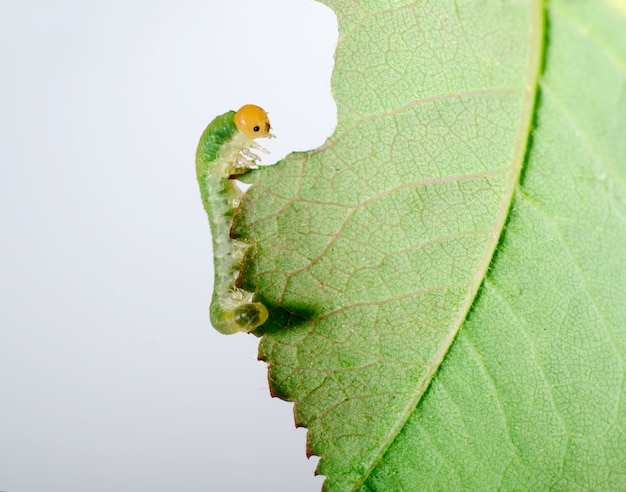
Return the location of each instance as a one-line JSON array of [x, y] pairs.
[[111, 377]]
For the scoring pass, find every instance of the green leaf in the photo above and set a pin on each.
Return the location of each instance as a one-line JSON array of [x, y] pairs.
[[447, 274]]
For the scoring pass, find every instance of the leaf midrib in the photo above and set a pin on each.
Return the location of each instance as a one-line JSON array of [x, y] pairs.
[[536, 55]]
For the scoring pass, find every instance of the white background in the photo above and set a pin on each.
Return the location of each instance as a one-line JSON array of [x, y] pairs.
[[111, 377]]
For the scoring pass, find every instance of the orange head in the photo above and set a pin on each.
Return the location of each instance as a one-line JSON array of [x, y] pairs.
[[253, 121]]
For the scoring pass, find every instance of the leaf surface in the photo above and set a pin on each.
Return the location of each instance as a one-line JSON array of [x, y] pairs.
[[447, 273]]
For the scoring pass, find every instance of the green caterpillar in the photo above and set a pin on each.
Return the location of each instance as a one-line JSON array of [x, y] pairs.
[[224, 152]]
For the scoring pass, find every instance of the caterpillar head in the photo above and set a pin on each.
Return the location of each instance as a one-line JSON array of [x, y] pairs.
[[253, 121]]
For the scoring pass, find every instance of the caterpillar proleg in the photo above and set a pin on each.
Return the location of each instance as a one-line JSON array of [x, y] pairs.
[[224, 152]]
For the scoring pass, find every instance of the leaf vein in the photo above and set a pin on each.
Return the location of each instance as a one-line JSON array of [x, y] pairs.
[[585, 137], [581, 272]]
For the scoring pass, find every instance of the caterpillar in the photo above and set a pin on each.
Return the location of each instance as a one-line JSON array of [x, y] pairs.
[[223, 153]]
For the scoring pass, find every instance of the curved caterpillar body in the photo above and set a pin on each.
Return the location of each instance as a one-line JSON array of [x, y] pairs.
[[224, 151]]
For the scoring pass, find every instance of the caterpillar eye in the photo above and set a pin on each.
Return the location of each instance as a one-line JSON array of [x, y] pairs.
[[253, 121]]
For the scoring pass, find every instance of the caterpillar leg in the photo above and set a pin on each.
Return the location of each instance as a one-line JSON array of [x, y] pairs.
[[245, 161], [256, 146], [245, 317]]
